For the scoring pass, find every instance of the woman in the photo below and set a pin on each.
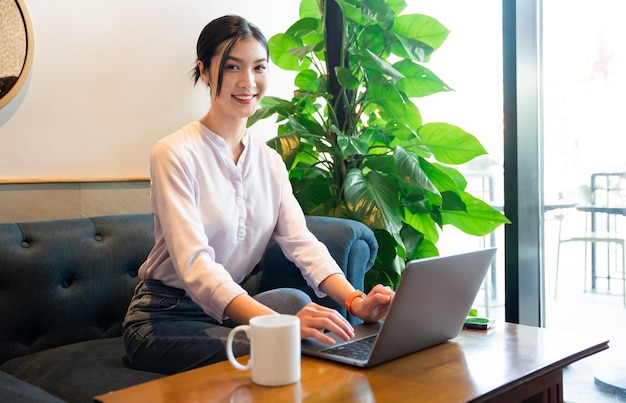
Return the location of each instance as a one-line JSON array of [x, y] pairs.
[[219, 196]]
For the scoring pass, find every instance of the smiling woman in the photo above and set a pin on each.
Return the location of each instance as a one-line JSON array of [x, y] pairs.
[[16, 49]]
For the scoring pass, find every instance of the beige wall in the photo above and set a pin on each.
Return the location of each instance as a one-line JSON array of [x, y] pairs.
[[50, 201], [111, 77]]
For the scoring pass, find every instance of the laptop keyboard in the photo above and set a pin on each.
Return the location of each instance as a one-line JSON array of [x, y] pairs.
[[357, 349]]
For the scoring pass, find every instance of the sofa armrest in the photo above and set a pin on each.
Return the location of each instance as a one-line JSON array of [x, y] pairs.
[[351, 243]]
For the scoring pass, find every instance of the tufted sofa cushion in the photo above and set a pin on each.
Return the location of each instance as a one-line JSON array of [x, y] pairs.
[[65, 286], [67, 281]]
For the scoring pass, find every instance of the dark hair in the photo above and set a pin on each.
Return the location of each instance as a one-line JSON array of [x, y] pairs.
[[229, 28]]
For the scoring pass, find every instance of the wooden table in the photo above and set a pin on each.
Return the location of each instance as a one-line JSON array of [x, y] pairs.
[[509, 363]]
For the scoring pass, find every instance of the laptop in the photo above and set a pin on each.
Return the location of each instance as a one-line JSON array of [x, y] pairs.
[[431, 304]]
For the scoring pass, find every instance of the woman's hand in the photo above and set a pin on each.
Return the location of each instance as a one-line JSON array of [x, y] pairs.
[[375, 305], [314, 319]]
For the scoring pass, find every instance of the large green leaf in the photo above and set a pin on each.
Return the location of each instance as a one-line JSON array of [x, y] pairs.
[[450, 144], [310, 9], [453, 174], [427, 249], [377, 11], [453, 201], [350, 145], [350, 11], [384, 67], [346, 79], [424, 224], [303, 28], [409, 49], [271, 106], [382, 93], [282, 48], [381, 163], [306, 125], [387, 248], [418, 81], [373, 38], [439, 177], [305, 162], [287, 146], [373, 199], [421, 28], [302, 52], [412, 117], [480, 219], [409, 168], [411, 239], [399, 129], [396, 5], [307, 80]]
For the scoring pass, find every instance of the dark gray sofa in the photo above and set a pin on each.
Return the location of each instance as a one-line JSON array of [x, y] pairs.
[[65, 286]]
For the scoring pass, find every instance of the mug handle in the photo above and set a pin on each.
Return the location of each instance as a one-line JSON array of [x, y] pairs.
[[229, 348]]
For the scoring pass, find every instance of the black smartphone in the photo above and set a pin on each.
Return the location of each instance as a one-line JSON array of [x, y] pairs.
[[478, 323]]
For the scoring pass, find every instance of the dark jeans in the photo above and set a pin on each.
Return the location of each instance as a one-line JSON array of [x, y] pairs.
[[166, 332]]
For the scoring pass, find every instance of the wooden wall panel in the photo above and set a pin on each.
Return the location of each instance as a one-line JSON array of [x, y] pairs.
[[51, 201], [114, 198]]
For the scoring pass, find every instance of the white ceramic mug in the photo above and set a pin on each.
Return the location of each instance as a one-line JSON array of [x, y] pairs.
[[274, 349]]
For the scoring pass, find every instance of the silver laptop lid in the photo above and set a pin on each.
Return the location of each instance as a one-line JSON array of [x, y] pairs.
[[431, 304]]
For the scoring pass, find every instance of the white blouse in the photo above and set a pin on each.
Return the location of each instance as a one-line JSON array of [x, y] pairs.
[[214, 219]]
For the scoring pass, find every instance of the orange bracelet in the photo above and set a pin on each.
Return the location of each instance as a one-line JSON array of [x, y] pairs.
[[350, 299]]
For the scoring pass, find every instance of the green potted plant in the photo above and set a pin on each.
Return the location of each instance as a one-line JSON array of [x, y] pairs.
[[354, 142]]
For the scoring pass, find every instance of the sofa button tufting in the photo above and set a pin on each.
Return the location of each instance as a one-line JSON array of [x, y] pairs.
[[132, 273], [98, 237], [65, 283], [25, 244]]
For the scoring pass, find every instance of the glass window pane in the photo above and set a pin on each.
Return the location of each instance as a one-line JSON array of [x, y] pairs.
[[584, 96]]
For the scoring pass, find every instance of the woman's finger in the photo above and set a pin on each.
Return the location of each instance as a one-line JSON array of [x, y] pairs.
[[314, 318]]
